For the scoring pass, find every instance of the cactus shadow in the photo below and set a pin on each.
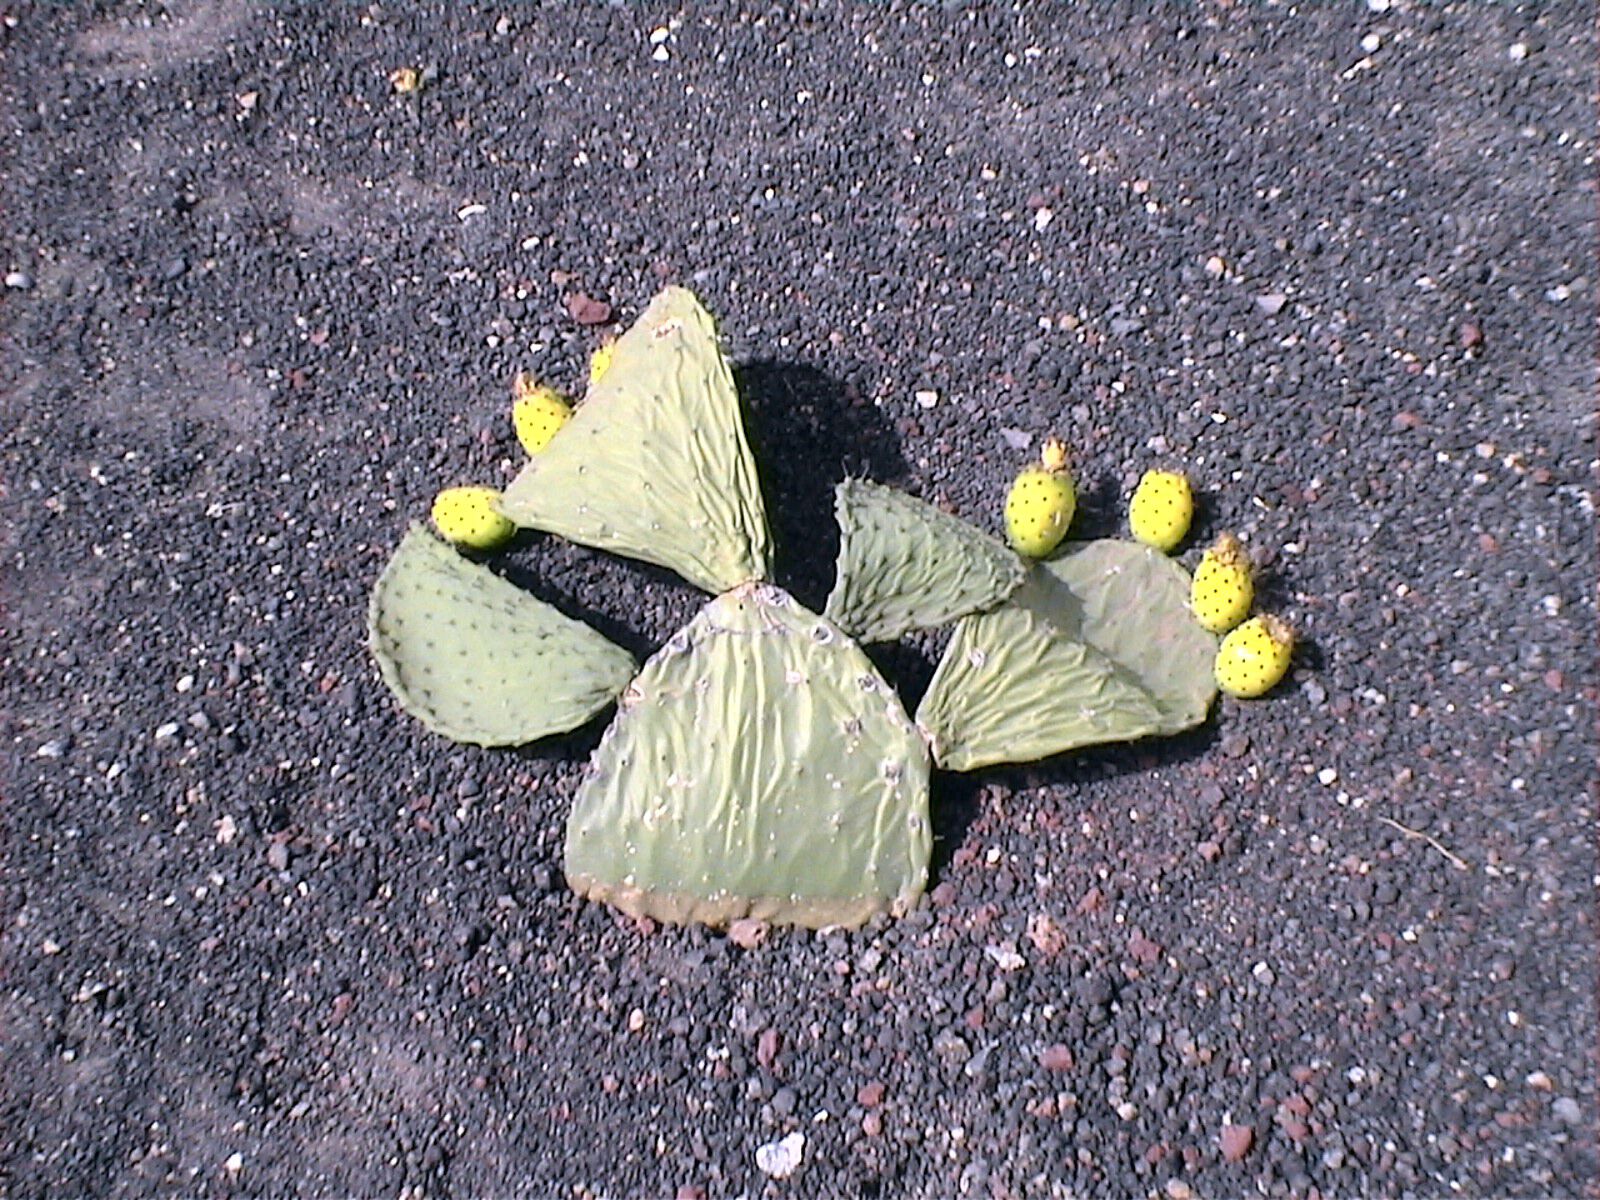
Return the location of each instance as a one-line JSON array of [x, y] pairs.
[[956, 799], [671, 601], [1100, 510], [809, 431]]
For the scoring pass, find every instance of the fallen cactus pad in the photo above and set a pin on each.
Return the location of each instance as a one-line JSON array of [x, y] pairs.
[[904, 565], [654, 463], [759, 766], [479, 660], [1097, 645]]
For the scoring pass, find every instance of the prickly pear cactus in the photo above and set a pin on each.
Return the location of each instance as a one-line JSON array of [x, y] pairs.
[[1097, 645], [904, 565], [758, 766], [479, 660], [654, 463]]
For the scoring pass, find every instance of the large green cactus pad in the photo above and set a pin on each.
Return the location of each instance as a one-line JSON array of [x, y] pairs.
[[758, 766], [480, 661], [654, 463], [905, 565], [1097, 646]]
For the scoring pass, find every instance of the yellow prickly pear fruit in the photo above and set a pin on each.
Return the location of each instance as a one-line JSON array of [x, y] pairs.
[[1041, 502], [469, 516], [1254, 657], [1223, 589], [600, 360], [1161, 509], [538, 412]]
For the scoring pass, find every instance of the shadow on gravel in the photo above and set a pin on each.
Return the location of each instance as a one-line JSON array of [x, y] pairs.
[[956, 798], [1101, 511], [808, 432], [611, 575]]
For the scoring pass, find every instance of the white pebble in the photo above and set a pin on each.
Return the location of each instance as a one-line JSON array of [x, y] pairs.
[[1371, 42], [659, 34], [1378, 6], [661, 54], [20, 280], [1327, 777], [779, 1159], [1042, 219], [927, 399], [1518, 51]]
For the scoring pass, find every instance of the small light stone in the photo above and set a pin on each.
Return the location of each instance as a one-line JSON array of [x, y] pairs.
[[779, 1159], [927, 398], [1518, 51], [1371, 42]]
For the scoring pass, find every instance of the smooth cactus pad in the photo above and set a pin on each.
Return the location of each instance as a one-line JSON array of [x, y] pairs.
[[758, 766], [905, 565], [654, 463], [1097, 646], [478, 660]]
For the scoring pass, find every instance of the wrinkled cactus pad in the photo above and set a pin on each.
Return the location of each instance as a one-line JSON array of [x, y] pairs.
[[1098, 645], [758, 766], [477, 659], [654, 463], [904, 565]]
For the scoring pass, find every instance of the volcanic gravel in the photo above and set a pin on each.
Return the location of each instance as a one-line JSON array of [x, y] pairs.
[[265, 935]]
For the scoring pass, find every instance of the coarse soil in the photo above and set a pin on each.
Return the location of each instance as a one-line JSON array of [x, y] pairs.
[[265, 936]]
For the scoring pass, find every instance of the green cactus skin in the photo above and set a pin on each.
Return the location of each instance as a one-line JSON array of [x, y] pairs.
[[759, 766], [1097, 646], [478, 660], [654, 463], [905, 565]]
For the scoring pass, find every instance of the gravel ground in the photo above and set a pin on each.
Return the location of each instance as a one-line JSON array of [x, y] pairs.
[[263, 935]]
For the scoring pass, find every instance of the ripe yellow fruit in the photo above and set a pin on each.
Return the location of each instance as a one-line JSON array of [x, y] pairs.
[[1223, 589], [1041, 502], [600, 360], [470, 516], [1254, 657], [1161, 509], [538, 412]]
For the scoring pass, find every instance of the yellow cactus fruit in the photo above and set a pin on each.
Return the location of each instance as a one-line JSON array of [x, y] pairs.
[[1041, 502], [1254, 657], [1223, 588], [600, 360], [1161, 509], [538, 412], [470, 516]]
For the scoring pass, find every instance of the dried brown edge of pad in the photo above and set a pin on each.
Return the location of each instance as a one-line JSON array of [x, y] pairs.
[[679, 908]]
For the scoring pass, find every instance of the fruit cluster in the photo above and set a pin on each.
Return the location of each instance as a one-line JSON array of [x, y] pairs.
[[1255, 655]]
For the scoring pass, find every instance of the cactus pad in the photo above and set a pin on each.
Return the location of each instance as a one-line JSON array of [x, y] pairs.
[[654, 463], [478, 660], [1097, 646], [758, 766], [905, 565]]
